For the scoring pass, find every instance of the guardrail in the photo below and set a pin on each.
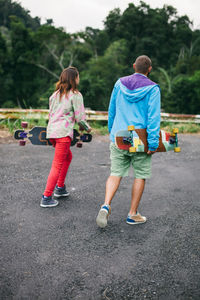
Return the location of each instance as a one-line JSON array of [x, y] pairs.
[[92, 115]]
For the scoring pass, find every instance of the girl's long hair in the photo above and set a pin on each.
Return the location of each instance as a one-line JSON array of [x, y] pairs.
[[67, 81]]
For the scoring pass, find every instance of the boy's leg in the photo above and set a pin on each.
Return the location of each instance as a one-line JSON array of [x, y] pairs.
[[120, 164], [112, 185], [142, 168], [137, 191]]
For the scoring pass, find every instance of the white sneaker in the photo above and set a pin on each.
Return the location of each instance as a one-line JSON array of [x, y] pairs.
[[102, 218]]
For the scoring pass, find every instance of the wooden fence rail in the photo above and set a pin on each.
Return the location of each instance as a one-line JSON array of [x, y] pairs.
[[35, 114]]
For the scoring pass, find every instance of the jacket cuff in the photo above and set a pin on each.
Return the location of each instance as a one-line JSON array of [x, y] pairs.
[[152, 149]]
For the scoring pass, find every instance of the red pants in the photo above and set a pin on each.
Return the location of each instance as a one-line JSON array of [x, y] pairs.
[[60, 164]]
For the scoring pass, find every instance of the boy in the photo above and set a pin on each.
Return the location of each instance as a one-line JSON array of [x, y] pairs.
[[135, 100]]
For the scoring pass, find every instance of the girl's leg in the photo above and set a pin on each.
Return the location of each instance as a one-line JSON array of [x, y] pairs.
[[64, 169], [62, 148]]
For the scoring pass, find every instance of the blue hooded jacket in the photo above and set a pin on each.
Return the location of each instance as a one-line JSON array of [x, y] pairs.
[[135, 100]]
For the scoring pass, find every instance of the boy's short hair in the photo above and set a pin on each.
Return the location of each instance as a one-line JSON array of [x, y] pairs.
[[142, 64]]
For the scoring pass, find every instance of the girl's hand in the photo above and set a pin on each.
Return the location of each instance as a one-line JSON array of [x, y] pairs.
[[81, 128]]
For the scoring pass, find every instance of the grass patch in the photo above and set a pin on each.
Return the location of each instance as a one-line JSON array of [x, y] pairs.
[[183, 127], [13, 125], [99, 127]]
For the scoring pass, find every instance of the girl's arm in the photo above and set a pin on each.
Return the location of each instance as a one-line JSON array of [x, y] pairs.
[[79, 112]]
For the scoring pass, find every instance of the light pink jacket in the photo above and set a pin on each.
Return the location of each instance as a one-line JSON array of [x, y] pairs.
[[63, 113]]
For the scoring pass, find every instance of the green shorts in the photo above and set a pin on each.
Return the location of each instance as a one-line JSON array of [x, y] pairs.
[[121, 160]]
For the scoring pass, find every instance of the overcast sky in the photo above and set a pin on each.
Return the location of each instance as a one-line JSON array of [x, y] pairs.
[[75, 15]]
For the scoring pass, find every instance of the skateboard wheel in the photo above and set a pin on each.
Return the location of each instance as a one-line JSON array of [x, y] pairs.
[[175, 130], [132, 149], [24, 124], [131, 127], [79, 145], [177, 149], [22, 143]]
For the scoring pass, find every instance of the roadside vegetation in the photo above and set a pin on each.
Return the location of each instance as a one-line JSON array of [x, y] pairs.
[[98, 127], [32, 56]]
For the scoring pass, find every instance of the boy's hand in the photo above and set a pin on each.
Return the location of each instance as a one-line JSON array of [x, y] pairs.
[[151, 152]]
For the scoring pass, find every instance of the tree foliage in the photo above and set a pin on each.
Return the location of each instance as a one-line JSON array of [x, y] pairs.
[[32, 56]]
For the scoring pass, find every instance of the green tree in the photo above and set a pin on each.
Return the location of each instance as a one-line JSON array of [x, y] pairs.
[[102, 72], [95, 39], [12, 8], [112, 23], [185, 95], [6, 96], [32, 56], [189, 58], [25, 75], [159, 33]]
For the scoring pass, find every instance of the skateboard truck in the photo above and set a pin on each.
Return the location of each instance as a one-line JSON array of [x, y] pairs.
[[175, 135], [21, 134], [83, 137], [135, 142]]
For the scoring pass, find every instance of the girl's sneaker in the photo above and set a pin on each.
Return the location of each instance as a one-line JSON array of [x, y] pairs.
[[136, 219], [61, 192], [102, 218], [48, 202]]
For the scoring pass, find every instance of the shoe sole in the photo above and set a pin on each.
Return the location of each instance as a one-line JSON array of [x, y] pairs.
[[136, 223], [52, 205], [64, 195], [101, 219]]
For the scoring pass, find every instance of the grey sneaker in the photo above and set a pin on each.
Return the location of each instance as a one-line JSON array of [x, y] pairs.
[[102, 218], [61, 192], [136, 219], [48, 202]]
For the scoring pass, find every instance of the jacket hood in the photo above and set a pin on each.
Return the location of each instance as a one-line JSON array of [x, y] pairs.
[[135, 87], [137, 94]]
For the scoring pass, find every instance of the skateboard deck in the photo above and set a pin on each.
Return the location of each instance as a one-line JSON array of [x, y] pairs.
[[135, 140], [37, 136]]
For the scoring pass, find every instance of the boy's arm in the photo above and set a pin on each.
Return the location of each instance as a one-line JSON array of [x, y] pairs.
[[112, 107], [153, 123], [79, 112]]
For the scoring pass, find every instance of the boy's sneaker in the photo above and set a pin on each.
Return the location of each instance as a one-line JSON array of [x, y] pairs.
[[102, 218], [61, 192], [48, 202], [136, 219]]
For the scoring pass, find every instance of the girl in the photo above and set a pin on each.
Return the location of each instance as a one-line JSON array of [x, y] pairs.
[[66, 107]]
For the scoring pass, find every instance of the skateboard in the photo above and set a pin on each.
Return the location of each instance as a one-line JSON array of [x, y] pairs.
[[135, 140], [37, 136]]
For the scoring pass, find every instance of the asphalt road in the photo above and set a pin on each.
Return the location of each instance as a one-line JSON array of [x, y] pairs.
[[60, 253]]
